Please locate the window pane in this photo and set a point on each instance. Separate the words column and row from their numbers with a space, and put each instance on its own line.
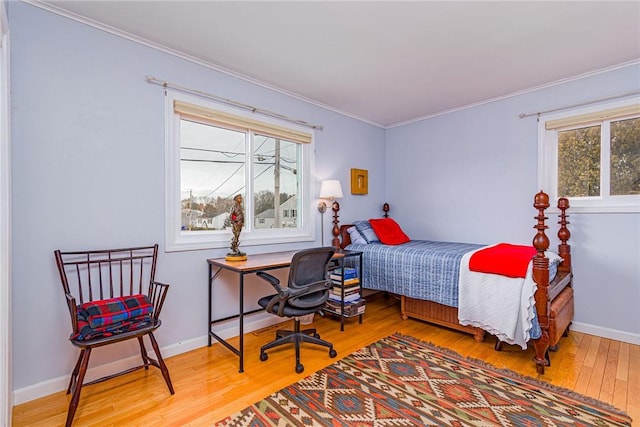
column 212, row 170
column 579, row 162
column 276, row 166
column 625, row 157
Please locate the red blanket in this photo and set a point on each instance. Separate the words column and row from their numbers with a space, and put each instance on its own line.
column 503, row 258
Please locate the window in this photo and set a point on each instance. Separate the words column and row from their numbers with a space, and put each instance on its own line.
column 592, row 157
column 215, row 152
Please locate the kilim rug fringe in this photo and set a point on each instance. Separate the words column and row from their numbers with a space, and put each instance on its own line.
column 402, row 381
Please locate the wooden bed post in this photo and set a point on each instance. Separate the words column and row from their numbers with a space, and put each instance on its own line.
column 385, row 209
column 564, row 250
column 336, row 230
column 541, row 277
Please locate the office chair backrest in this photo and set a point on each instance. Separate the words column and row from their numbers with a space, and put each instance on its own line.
column 309, row 266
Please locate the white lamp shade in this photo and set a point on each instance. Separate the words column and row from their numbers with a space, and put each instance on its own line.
column 330, row 189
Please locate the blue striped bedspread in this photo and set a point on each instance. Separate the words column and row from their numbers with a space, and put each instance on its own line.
column 419, row 269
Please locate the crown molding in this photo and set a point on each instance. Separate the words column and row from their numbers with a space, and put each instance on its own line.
column 174, row 52
column 521, row 92
column 101, row 26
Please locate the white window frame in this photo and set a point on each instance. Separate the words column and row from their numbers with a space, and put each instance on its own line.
column 179, row 240
column 548, row 162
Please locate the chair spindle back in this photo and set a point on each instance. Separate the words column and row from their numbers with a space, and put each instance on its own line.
column 108, row 273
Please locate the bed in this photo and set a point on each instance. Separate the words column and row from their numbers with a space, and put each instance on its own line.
column 425, row 276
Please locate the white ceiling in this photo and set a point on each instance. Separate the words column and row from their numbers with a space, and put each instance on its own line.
column 386, row 62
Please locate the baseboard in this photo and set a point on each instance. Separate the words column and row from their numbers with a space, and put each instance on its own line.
column 599, row 331
column 225, row 330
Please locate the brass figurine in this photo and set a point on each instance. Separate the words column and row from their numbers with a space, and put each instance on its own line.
column 236, row 217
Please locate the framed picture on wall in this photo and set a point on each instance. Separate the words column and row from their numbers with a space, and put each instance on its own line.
column 359, row 181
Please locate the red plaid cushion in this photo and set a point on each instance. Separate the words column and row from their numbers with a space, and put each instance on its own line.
column 114, row 310
column 86, row 332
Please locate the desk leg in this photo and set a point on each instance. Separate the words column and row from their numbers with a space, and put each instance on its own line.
column 361, row 273
column 241, row 337
column 343, row 265
column 210, row 306
column 342, row 315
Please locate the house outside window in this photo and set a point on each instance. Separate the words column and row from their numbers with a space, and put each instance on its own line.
column 592, row 156
column 215, row 152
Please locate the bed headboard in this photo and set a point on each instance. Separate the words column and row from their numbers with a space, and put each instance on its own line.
column 345, row 238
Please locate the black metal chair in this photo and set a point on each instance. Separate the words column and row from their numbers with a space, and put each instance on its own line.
column 112, row 296
column 306, row 293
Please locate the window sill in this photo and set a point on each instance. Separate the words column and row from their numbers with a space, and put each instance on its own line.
column 578, row 207
column 191, row 242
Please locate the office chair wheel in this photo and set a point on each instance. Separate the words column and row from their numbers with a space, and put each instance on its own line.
column 332, row 353
column 263, row 356
column 299, row 368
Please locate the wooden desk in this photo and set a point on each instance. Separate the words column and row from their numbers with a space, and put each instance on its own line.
column 253, row 264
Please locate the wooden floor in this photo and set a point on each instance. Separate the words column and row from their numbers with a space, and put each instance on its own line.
column 208, row 386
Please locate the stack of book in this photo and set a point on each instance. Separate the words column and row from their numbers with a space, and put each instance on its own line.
column 346, row 288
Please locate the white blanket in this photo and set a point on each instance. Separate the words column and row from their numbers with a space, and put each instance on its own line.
column 503, row 306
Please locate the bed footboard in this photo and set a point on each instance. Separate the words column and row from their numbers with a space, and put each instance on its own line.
column 554, row 300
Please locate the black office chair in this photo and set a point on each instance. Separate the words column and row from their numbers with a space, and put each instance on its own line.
column 306, row 293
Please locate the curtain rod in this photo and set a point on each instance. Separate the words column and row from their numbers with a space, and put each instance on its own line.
column 593, row 101
column 168, row 85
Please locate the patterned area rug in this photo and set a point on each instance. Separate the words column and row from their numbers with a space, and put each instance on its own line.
column 401, row 381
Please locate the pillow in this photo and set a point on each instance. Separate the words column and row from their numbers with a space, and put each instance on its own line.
column 388, row 231
column 114, row 310
column 356, row 237
column 553, row 257
column 364, row 228
column 554, row 261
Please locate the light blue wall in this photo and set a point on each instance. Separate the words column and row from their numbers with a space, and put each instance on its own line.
column 471, row 176
column 88, row 172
